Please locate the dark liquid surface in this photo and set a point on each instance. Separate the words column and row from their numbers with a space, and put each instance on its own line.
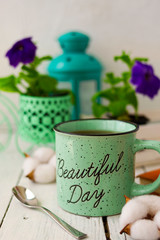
column 94, row 132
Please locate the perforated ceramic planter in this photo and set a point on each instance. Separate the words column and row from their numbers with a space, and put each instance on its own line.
column 38, row 116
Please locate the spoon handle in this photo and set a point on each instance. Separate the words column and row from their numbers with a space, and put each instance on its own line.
column 72, row 231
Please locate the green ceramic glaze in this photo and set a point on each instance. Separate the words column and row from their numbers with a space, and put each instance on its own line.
column 95, row 172
column 38, row 116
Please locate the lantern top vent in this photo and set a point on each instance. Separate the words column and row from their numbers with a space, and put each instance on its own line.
column 73, row 42
column 74, row 59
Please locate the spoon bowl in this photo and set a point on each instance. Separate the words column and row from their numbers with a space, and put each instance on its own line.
column 28, row 199
column 25, row 196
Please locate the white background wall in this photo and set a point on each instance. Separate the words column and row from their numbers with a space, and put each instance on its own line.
column 113, row 25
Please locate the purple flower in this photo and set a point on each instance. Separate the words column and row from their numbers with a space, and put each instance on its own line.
column 22, row 51
column 144, row 79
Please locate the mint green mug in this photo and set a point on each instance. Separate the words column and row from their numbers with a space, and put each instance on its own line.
column 95, row 165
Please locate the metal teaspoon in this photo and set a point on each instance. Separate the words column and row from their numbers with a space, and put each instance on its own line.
column 27, row 198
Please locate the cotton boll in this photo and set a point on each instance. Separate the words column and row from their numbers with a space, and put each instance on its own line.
column 132, row 211
column 43, row 154
column 52, row 161
column 156, row 219
column 44, row 173
column 29, row 165
column 144, row 229
column 152, row 201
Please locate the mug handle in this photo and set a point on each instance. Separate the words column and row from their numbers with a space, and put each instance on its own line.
column 138, row 189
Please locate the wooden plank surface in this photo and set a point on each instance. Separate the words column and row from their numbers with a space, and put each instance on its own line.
column 10, row 170
column 19, row 222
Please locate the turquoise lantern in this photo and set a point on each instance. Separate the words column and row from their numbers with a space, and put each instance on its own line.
column 75, row 66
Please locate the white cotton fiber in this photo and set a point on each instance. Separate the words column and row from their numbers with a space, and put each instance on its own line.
column 144, row 229
column 132, row 211
column 52, row 161
column 45, row 173
column 29, row 165
column 43, row 154
column 156, row 219
column 152, row 201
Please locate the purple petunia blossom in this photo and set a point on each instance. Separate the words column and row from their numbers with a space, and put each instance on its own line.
column 144, row 79
column 22, row 51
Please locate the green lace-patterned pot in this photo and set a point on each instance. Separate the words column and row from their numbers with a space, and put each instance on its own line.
column 38, row 115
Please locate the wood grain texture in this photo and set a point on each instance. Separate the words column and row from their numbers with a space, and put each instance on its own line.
column 10, row 170
column 19, row 222
column 23, row 223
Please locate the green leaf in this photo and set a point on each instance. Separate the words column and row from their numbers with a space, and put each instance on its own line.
column 116, row 93
column 47, row 83
column 118, row 108
column 8, row 84
column 111, row 79
column 31, row 72
column 129, row 96
column 126, row 77
column 17, row 80
column 95, row 96
column 139, row 59
column 124, row 57
column 132, row 99
column 118, row 100
column 29, row 79
column 120, row 94
column 109, row 94
column 98, row 109
column 38, row 60
column 45, row 58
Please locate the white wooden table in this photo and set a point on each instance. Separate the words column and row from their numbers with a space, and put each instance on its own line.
column 18, row 222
